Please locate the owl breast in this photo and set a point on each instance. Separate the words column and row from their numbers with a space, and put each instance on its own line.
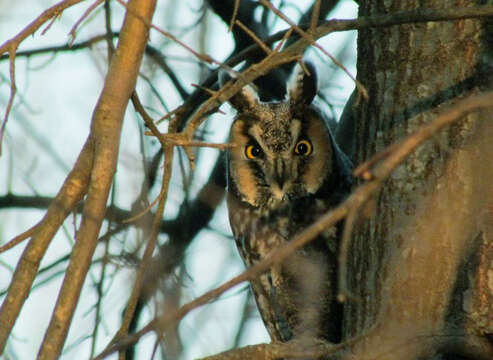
column 297, row 297
column 284, row 172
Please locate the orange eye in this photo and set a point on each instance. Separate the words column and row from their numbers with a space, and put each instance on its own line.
column 253, row 151
column 303, row 148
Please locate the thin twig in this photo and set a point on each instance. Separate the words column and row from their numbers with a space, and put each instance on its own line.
column 283, row 40
column 90, row 9
column 146, row 259
column 178, row 140
column 61, row 48
column 343, row 291
column 72, row 191
column 327, row 27
column 18, row 239
column 151, row 245
column 109, row 32
column 245, row 314
column 254, row 37
column 311, row 40
column 100, row 286
column 12, row 44
column 364, row 170
column 144, row 211
column 235, row 13
column 52, row 21
column 203, row 57
column 315, row 16
column 13, row 91
column 154, row 131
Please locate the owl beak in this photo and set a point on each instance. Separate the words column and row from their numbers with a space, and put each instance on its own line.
column 280, row 174
column 279, row 179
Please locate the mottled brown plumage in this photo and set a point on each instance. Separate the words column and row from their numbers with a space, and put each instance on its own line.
column 284, row 172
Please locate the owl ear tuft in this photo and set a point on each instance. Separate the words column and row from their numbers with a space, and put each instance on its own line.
column 303, row 86
column 246, row 98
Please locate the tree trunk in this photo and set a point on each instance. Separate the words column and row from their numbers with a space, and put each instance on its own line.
column 419, row 265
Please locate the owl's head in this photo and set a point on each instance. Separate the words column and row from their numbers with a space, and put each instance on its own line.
column 283, row 149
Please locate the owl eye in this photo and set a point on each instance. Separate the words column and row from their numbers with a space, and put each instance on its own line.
column 303, row 148
column 253, row 151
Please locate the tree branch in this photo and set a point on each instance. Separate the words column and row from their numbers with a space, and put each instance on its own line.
column 324, row 28
column 70, row 194
column 105, row 133
column 60, row 48
column 12, row 44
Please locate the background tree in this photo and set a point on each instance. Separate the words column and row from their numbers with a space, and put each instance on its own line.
column 414, row 276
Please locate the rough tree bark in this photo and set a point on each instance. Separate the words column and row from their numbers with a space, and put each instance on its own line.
column 419, row 265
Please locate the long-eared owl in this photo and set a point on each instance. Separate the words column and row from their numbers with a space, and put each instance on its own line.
column 284, row 171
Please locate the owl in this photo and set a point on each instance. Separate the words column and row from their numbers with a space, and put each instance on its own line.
column 285, row 171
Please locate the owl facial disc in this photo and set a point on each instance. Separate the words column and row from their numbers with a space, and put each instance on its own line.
column 283, row 150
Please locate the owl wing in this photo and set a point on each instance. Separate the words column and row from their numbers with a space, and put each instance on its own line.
column 292, row 297
column 255, row 238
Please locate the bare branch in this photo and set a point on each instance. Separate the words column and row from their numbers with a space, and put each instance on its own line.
column 475, row 347
column 72, row 191
column 326, row 27
column 235, row 12
column 13, row 90
column 18, row 239
column 86, row 13
column 254, row 37
column 12, row 45
column 301, row 349
column 61, row 48
column 178, row 140
column 203, row 57
column 315, row 15
column 312, row 41
column 30, row 29
column 119, row 85
column 146, row 259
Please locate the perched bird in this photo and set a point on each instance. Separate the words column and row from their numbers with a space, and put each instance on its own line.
column 284, row 172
